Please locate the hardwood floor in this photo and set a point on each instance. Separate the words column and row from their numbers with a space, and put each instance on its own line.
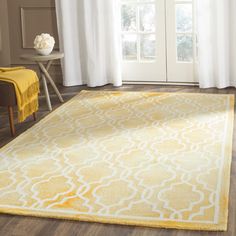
column 31, row 226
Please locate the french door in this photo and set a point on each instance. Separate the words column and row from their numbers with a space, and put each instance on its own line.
column 158, row 40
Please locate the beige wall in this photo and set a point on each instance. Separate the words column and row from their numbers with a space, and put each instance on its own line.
column 4, row 35
column 26, row 19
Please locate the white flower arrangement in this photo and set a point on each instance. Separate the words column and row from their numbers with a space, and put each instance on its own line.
column 44, row 44
column 44, row 41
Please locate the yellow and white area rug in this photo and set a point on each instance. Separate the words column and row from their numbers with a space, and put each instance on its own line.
column 137, row 158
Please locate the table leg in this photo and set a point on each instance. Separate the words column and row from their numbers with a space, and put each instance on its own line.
column 48, row 65
column 47, row 75
column 45, row 86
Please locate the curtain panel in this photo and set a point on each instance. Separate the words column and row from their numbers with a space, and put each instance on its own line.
column 216, row 29
column 89, row 35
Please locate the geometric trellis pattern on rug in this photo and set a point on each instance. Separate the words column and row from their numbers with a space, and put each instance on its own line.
column 138, row 158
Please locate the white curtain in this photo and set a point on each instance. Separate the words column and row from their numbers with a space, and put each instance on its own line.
column 89, row 34
column 216, row 25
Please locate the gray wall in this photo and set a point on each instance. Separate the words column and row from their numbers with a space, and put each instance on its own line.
column 22, row 20
column 4, row 35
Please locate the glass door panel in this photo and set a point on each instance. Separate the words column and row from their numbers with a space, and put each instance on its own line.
column 143, row 40
column 181, row 44
column 158, row 40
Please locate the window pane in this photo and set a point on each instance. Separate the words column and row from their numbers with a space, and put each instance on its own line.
column 130, row 47
column 147, row 17
column 128, row 17
column 184, row 18
column 148, row 47
column 185, row 48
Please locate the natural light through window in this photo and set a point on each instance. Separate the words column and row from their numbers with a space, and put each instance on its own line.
column 138, row 30
column 184, row 31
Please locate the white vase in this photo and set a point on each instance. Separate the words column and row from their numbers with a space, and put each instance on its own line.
column 44, row 52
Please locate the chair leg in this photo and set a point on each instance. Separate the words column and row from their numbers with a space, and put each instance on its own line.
column 34, row 116
column 11, row 120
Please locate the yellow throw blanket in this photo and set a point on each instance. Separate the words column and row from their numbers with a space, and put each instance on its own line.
column 26, row 85
column 6, row 69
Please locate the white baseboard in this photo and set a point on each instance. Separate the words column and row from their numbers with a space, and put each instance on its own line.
column 162, row 83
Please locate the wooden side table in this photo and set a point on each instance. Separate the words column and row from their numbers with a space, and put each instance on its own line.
column 40, row 60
